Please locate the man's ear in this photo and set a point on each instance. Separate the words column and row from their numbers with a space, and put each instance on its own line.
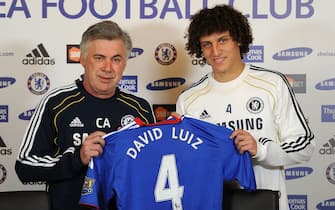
column 82, row 60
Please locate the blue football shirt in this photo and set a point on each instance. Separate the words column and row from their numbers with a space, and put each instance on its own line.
column 172, row 165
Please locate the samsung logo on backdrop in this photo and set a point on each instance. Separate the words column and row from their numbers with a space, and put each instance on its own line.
column 297, row 172
column 292, row 53
column 26, row 115
column 326, row 205
column 135, row 52
column 6, row 81
column 328, row 84
column 165, row 84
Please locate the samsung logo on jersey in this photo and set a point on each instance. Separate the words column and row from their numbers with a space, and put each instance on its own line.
column 128, row 83
column 135, row 52
column 328, row 113
column 6, row 81
column 297, row 202
column 326, row 205
column 292, row 53
column 26, row 115
column 298, row 172
column 328, row 84
column 165, row 84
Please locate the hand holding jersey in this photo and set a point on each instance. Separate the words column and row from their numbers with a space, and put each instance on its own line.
column 92, row 146
column 244, row 141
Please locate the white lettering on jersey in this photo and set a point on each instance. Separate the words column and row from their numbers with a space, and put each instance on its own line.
column 157, row 134
column 102, row 123
column 168, row 173
column 152, row 135
column 186, row 136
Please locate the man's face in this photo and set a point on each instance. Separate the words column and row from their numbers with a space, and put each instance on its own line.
column 221, row 52
column 104, row 64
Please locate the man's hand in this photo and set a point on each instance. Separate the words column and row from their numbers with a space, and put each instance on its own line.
column 92, row 146
column 244, row 141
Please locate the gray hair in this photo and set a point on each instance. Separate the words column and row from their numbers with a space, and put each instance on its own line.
column 107, row 30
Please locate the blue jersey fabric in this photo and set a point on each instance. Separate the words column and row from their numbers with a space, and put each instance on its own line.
column 171, row 165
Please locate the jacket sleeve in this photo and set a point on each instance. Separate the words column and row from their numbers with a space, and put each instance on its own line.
column 40, row 158
column 294, row 143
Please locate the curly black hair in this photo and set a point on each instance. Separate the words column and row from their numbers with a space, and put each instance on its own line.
column 221, row 18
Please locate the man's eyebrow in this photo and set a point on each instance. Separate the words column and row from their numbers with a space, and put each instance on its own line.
column 100, row 55
column 117, row 55
column 114, row 56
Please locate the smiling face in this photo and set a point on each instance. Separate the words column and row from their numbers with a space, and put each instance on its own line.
column 104, row 64
column 223, row 54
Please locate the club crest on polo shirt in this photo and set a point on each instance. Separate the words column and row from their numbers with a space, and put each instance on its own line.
column 125, row 120
column 255, row 105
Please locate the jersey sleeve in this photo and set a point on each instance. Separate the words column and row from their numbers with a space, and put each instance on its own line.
column 39, row 157
column 90, row 190
column 296, row 142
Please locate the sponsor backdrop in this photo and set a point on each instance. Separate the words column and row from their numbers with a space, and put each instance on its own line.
column 39, row 52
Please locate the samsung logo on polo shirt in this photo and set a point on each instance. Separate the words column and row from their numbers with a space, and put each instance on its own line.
column 292, row 53
column 297, row 172
column 165, row 84
column 6, row 81
column 326, row 205
column 328, row 113
column 26, row 115
column 328, row 84
column 135, row 52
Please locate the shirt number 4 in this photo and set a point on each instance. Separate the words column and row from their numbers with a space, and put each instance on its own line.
column 168, row 173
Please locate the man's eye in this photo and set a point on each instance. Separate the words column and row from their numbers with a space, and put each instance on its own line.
column 116, row 60
column 205, row 45
column 221, row 41
column 98, row 58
